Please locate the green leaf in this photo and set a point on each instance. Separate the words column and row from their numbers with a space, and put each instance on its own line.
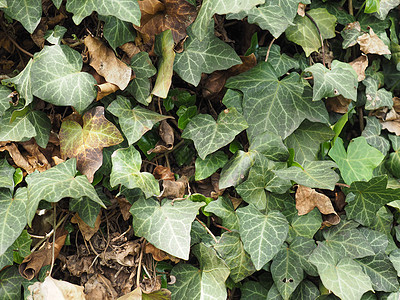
column 315, row 174
column 381, row 271
column 3, row 3
column 125, row 10
column 116, row 31
column 87, row 209
column 270, row 146
column 305, row 33
column 358, row 162
column 289, row 263
column 57, row 3
column 86, row 143
column 305, row 225
column 55, row 36
column 376, row 98
column 376, row 239
column 134, row 122
column 282, row 63
column 55, row 70
column 21, row 247
column 42, row 125
column 346, row 240
column 155, row 221
column 262, row 234
column 371, row 6
column 383, row 223
column 6, row 175
column 12, row 216
column 4, row 100
column 209, row 136
column 223, row 208
column 204, row 56
column 274, row 105
column 372, row 133
column 56, row 183
column 126, row 171
column 253, row 290
column 234, row 99
column 395, row 259
column 306, row 290
column 18, row 130
column 366, row 198
column 341, row 79
column 393, row 162
column 208, row 166
column 231, row 250
column 139, row 87
column 222, row 7
column 10, row 283
column 306, row 140
column 384, row 7
column 237, row 169
column 27, row 12
column 206, row 283
column 185, row 114
column 164, row 48
column 342, row 275
column 23, row 83
column 350, row 35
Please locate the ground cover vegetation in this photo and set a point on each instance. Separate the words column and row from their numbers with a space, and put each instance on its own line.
column 215, row 149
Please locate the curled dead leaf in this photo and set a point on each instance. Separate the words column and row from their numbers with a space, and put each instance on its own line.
column 85, row 229
column 106, row 89
column 167, row 139
column 163, row 173
column 370, row 43
column 392, row 126
column 100, row 287
column 338, row 104
column 56, row 289
column 307, row 199
column 124, row 207
column 17, row 157
column 359, row 65
column 160, row 255
column 174, row 189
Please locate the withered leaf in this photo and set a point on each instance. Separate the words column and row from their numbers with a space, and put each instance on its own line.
column 163, row 173
column 174, row 189
column 359, row 65
column 87, row 143
column 338, row 104
column 158, row 254
column 104, row 61
column 56, row 289
column 85, row 229
column 307, row 199
column 371, row 43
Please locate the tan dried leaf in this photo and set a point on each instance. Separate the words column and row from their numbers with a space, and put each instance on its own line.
column 106, row 89
column 124, row 207
column 56, row 289
column 307, row 199
column 166, row 134
column 160, row 255
column 85, row 229
column 301, row 9
column 163, row 173
column 174, row 189
column 392, row 126
column 370, row 43
column 104, row 61
column 17, row 157
column 338, row 104
column 359, row 65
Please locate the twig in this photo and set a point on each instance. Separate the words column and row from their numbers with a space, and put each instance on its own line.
column 140, row 263
column 208, row 230
column 320, row 36
column 350, row 3
column 169, row 151
column 54, row 238
column 48, row 235
column 222, row 227
column 269, row 49
column 342, row 184
column 19, row 47
column 361, row 118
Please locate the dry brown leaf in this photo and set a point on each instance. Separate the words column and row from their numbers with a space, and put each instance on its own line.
column 5, row 43
column 104, row 61
column 339, row 200
column 78, row 265
column 359, row 65
column 392, row 126
column 163, row 173
column 160, row 255
column 17, row 157
column 329, row 220
column 307, row 199
column 85, row 229
column 301, row 9
column 338, row 104
column 159, row 16
column 134, row 295
column 124, row 207
column 130, row 50
column 174, row 189
column 38, row 35
column 99, row 287
column 36, row 158
column 167, row 139
column 31, row 265
column 370, row 43
column 106, row 89
column 125, row 254
column 53, row 289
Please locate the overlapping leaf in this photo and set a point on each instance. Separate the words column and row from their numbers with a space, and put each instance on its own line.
column 57, row 78
column 126, row 165
column 281, row 62
column 223, row 208
column 204, row 56
column 209, row 136
column 262, row 235
column 28, row 13
column 87, row 209
column 393, row 162
column 134, row 122
column 237, row 169
column 116, row 31
column 4, row 100
column 10, row 283
column 358, row 162
column 206, row 167
column 6, row 175
column 86, row 143
column 376, row 98
column 56, row 183
column 372, row 133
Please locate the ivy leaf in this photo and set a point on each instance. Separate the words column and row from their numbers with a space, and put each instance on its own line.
column 281, row 62
column 306, row 140
column 139, row 87
column 223, row 208
column 125, row 10
column 204, row 56
column 86, row 143
column 10, row 283
column 358, row 162
column 134, row 122
column 315, row 174
column 222, row 7
column 305, row 33
column 376, row 98
column 342, row 275
column 231, row 250
column 393, row 162
column 56, row 183
column 341, row 79
column 23, row 83
column 126, row 164
column 208, row 135
column 208, row 166
column 384, row 7
column 306, row 225
column 206, row 283
column 57, row 78
column 6, row 175
column 262, row 234
column 12, row 216
column 367, row 198
column 237, row 169
column 372, row 133
column 270, row 146
column 381, row 271
column 306, row 290
column 4, row 100
column 269, row 101
column 253, row 290
column 28, row 13
column 116, row 31
column 42, row 125
column 87, row 209
column 289, row 263
column 383, row 223
column 20, row 129
column 376, row 239
column 155, row 221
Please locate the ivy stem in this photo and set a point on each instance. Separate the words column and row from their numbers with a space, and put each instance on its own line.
column 140, row 264
column 350, row 3
column 342, row 184
column 320, row 36
column 54, row 237
column 208, row 230
column 269, row 49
